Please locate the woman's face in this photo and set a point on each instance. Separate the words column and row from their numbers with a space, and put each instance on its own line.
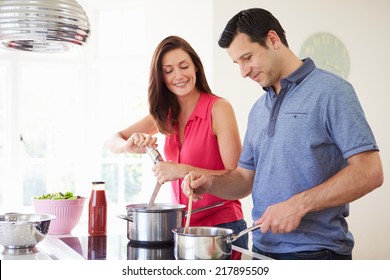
column 179, row 72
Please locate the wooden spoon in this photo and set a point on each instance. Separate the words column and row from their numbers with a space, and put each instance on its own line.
column 189, row 209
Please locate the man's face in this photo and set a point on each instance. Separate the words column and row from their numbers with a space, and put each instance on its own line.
column 255, row 61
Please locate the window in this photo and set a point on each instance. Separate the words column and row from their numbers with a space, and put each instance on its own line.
column 57, row 110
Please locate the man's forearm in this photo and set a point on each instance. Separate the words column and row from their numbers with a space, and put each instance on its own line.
column 235, row 184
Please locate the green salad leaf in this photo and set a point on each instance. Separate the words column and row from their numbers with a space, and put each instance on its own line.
column 57, row 196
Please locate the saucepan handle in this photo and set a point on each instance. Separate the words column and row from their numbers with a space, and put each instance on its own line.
column 234, row 237
column 125, row 217
column 204, row 208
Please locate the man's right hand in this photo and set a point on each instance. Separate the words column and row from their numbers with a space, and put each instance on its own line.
column 198, row 182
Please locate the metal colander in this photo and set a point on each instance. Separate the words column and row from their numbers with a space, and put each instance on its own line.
column 23, row 231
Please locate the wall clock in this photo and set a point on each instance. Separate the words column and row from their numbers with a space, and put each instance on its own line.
column 328, row 52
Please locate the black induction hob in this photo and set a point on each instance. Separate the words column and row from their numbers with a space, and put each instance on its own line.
column 118, row 247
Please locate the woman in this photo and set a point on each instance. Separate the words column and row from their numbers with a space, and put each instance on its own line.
column 200, row 129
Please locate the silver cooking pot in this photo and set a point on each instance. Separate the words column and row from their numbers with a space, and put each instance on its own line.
column 205, row 243
column 155, row 224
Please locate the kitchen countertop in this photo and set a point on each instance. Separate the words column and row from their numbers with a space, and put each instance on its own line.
column 50, row 248
column 116, row 246
column 53, row 248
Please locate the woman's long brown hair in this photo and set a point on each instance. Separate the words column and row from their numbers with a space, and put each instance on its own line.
column 163, row 104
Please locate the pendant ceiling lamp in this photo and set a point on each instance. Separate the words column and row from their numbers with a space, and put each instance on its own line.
column 49, row 26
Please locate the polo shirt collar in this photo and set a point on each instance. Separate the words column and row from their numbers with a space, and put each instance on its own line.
column 298, row 75
column 302, row 72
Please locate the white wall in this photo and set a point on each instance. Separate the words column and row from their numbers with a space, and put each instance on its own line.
column 193, row 21
column 364, row 27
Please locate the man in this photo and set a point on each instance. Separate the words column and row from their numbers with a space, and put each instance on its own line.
column 308, row 149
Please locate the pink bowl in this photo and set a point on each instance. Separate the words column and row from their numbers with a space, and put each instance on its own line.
column 67, row 211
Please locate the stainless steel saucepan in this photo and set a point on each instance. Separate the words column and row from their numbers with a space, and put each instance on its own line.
column 206, row 243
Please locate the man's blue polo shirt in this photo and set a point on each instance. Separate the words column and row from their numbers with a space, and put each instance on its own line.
column 296, row 140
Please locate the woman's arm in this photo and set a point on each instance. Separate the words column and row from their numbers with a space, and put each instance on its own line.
column 226, row 130
column 133, row 138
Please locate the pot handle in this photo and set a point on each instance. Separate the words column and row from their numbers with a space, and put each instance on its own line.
column 125, row 217
column 204, row 208
column 234, row 237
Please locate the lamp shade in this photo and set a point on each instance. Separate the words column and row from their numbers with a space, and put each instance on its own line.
column 42, row 25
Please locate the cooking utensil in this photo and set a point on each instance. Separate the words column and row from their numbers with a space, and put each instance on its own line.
column 205, row 243
column 156, row 157
column 155, row 225
column 189, row 212
column 189, row 208
column 154, row 195
column 19, row 233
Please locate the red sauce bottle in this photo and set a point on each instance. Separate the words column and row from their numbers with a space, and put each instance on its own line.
column 97, row 210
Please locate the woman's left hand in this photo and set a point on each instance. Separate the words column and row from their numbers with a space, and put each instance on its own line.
column 166, row 171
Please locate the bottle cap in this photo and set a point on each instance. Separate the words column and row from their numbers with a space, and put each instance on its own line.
column 98, row 182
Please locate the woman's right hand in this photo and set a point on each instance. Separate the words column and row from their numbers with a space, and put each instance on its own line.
column 138, row 141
